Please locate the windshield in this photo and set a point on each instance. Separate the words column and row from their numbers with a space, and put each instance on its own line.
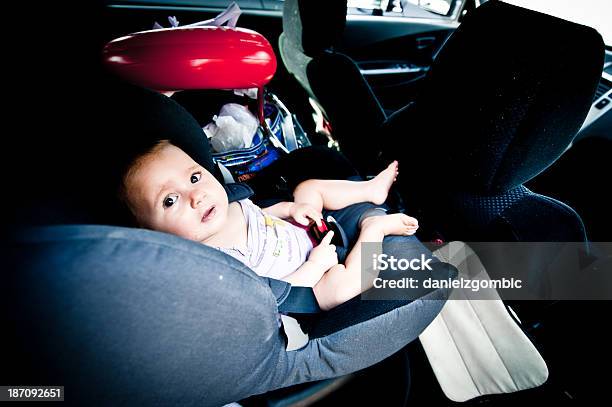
column 594, row 13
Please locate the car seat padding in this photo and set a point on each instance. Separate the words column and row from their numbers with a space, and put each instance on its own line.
column 155, row 308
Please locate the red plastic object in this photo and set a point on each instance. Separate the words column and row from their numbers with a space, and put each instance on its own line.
column 193, row 58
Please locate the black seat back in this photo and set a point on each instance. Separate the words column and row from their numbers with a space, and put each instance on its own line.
column 503, row 100
column 333, row 80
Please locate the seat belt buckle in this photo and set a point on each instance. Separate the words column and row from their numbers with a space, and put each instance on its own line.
column 317, row 233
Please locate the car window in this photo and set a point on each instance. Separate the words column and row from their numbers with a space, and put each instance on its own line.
column 405, row 8
column 437, row 9
column 441, row 7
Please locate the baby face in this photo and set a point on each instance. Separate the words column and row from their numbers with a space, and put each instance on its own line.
column 170, row 192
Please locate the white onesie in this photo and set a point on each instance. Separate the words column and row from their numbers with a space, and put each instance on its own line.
column 275, row 248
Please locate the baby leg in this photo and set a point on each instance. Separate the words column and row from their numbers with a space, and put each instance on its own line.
column 338, row 194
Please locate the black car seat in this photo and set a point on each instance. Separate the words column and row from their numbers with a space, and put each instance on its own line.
column 503, row 100
column 333, row 80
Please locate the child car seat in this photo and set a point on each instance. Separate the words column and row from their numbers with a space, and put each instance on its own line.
column 121, row 315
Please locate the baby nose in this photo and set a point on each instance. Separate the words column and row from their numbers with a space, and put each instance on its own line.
column 197, row 197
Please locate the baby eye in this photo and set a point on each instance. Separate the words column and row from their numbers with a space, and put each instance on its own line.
column 195, row 177
column 170, row 200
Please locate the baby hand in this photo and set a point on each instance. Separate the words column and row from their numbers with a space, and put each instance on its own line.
column 304, row 213
column 324, row 255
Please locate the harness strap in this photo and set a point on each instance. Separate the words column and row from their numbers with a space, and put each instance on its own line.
column 290, row 299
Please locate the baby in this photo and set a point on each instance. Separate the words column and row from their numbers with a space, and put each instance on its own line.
column 166, row 190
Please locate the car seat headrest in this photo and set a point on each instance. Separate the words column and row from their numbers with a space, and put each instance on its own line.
column 314, row 25
column 507, row 94
column 135, row 119
column 192, row 58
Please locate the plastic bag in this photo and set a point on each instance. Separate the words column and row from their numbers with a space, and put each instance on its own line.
column 232, row 129
column 251, row 92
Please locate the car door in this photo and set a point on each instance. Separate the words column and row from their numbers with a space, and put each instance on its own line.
column 394, row 42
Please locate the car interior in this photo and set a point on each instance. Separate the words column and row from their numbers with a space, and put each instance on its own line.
column 500, row 116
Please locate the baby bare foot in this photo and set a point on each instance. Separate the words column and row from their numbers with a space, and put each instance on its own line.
column 395, row 224
column 379, row 186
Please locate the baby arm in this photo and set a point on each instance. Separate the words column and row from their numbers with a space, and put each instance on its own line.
column 337, row 194
column 341, row 283
column 321, row 258
column 280, row 210
column 300, row 212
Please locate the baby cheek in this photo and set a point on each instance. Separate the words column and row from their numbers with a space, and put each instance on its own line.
column 197, row 230
column 180, row 231
column 188, row 230
column 170, row 223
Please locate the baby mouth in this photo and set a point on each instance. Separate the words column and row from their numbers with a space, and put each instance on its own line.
column 209, row 214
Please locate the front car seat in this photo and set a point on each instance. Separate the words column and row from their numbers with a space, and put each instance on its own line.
column 333, row 80
column 503, row 100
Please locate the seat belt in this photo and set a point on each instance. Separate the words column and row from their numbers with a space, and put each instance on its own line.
column 296, row 300
column 300, row 300
column 293, row 299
